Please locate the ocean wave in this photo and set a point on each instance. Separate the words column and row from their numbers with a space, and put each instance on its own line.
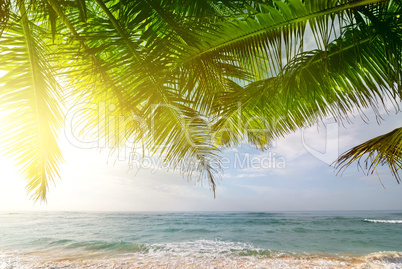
column 388, row 256
column 384, row 221
column 375, row 260
column 207, row 249
column 197, row 248
column 116, row 246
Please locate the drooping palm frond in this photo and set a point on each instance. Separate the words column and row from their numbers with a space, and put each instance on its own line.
column 122, row 67
column 268, row 41
column 4, row 14
column 31, row 97
column 184, row 143
column 165, row 71
column 382, row 150
column 276, row 33
column 358, row 70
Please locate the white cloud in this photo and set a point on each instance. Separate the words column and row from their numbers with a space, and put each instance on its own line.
column 89, row 183
column 251, row 175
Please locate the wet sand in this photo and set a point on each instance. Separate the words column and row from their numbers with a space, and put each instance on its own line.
column 375, row 260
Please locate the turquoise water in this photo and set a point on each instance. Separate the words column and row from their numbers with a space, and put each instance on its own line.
column 200, row 234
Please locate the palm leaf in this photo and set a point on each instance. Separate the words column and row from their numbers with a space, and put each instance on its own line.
column 382, row 150
column 4, row 14
column 165, row 71
column 143, row 86
column 275, row 33
column 357, row 71
column 30, row 96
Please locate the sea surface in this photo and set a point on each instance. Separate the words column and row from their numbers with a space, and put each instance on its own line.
column 347, row 239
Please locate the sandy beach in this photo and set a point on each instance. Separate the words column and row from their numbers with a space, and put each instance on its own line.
column 375, row 260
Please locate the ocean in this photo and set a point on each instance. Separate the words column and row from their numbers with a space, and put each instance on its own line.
column 359, row 239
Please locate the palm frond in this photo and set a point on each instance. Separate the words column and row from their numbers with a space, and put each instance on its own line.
column 171, row 74
column 4, row 14
column 382, row 150
column 31, row 97
column 357, row 71
column 276, row 33
column 143, row 86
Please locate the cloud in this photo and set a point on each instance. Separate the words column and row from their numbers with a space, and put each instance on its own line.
column 251, row 175
column 90, row 182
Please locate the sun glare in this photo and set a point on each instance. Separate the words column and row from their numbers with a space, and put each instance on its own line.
column 12, row 187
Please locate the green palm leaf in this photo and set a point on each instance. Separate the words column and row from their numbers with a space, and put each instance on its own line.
column 382, row 150
column 274, row 33
column 357, row 71
column 30, row 95
column 143, row 86
column 166, row 71
column 4, row 14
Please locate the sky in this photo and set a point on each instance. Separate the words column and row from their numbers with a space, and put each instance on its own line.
column 294, row 174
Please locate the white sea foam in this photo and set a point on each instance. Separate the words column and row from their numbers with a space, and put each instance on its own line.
column 387, row 260
column 384, row 221
column 202, row 248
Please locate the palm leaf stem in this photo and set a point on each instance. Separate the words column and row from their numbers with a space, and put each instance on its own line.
column 34, row 71
column 119, row 29
column 57, row 8
column 311, row 16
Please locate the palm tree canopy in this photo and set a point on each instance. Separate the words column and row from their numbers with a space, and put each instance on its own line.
column 172, row 73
